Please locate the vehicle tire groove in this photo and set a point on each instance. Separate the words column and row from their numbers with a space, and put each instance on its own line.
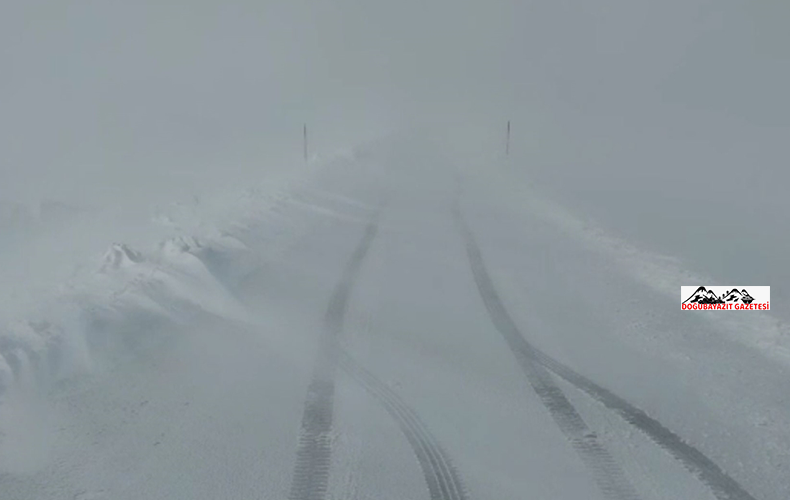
column 606, row 472
column 442, row 478
column 697, row 463
column 314, row 452
column 706, row 470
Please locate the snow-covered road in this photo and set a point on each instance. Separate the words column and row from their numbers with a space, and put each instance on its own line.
column 421, row 331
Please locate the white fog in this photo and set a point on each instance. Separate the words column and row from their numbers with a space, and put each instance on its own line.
column 190, row 308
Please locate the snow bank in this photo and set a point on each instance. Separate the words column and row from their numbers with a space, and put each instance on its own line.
column 106, row 306
column 665, row 274
column 129, row 288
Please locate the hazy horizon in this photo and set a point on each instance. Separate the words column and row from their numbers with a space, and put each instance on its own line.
column 642, row 114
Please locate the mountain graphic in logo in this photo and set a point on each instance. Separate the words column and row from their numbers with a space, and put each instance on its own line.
column 737, row 297
column 705, row 296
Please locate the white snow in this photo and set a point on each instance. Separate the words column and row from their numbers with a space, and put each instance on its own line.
column 176, row 271
column 125, row 284
column 662, row 273
column 179, row 369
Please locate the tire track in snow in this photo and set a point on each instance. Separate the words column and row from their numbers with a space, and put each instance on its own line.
column 314, row 452
column 442, row 479
column 536, row 364
column 706, row 470
column 606, row 472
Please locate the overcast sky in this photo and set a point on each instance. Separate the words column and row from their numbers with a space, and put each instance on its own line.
column 115, row 96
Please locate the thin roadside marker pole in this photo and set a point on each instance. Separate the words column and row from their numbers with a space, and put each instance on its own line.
column 305, row 142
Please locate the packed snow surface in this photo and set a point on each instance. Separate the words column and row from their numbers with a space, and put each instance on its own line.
column 393, row 322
